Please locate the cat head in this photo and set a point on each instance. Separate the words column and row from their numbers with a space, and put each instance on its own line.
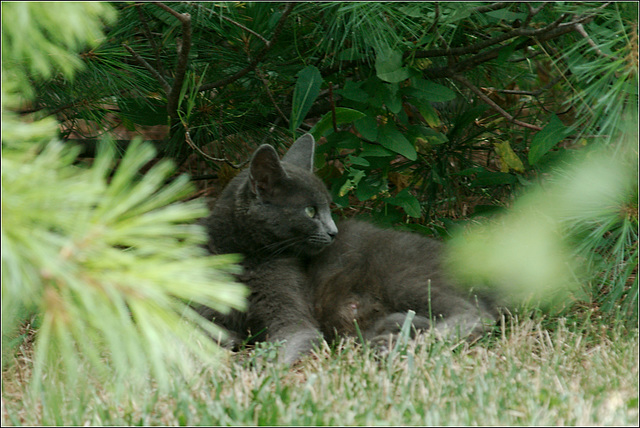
column 290, row 204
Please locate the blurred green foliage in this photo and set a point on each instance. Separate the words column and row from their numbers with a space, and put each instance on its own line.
column 106, row 260
column 430, row 115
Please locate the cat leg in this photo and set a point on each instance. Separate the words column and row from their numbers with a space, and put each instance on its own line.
column 280, row 306
column 387, row 331
column 392, row 323
column 298, row 343
column 231, row 338
column 469, row 325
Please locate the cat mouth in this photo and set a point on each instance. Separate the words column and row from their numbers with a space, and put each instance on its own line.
column 316, row 244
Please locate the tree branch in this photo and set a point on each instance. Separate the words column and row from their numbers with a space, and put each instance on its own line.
column 533, row 12
column 183, row 17
column 183, row 58
column 152, row 41
column 265, row 82
column 433, row 26
column 516, row 32
column 148, row 66
column 257, row 59
column 580, row 29
column 187, row 138
column 492, row 104
column 237, row 24
column 541, row 36
column 493, row 6
column 535, row 36
column 535, row 93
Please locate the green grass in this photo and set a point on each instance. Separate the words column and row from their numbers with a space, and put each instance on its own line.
column 563, row 372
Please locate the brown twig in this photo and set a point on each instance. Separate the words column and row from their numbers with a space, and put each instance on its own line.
column 145, row 64
column 333, row 108
column 535, row 36
column 490, row 7
column 516, row 32
column 252, row 65
column 541, row 36
column 183, row 58
column 265, row 82
column 580, row 29
column 535, row 93
column 187, row 138
column 183, row 17
column 433, row 26
column 492, row 104
column 533, row 12
column 152, row 41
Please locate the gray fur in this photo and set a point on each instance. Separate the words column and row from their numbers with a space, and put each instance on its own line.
column 381, row 274
column 261, row 215
column 308, row 281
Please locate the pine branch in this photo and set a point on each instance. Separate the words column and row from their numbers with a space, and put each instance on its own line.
column 187, row 138
column 265, row 82
column 252, row 65
column 237, row 24
column 149, row 67
column 152, row 41
column 183, row 58
column 492, row 104
column 535, row 36
column 535, row 93
column 552, row 31
column 580, row 29
column 491, row 7
column 516, row 32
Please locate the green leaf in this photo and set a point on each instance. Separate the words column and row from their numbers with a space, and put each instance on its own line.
column 392, row 139
column 356, row 160
column 366, row 191
column 355, row 175
column 392, row 99
column 343, row 115
column 407, row 202
column 508, row 158
column 429, row 114
column 421, row 136
column 305, row 93
column 432, row 91
column 488, row 178
column 507, row 51
column 547, row 138
column 389, row 66
column 352, row 91
column 371, row 150
column 340, row 140
column 368, row 127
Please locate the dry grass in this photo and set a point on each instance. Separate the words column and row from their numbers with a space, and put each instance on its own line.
column 575, row 372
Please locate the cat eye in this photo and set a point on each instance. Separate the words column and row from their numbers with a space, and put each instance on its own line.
column 310, row 211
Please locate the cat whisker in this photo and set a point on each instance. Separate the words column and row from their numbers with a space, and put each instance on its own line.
column 278, row 248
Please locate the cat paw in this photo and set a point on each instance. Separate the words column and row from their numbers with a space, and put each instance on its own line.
column 299, row 344
column 382, row 345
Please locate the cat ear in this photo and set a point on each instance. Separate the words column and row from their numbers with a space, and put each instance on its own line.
column 301, row 152
column 265, row 170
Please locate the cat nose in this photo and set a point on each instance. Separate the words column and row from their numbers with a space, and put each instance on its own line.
column 332, row 230
column 329, row 225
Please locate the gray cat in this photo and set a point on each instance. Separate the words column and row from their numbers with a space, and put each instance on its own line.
column 309, row 281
